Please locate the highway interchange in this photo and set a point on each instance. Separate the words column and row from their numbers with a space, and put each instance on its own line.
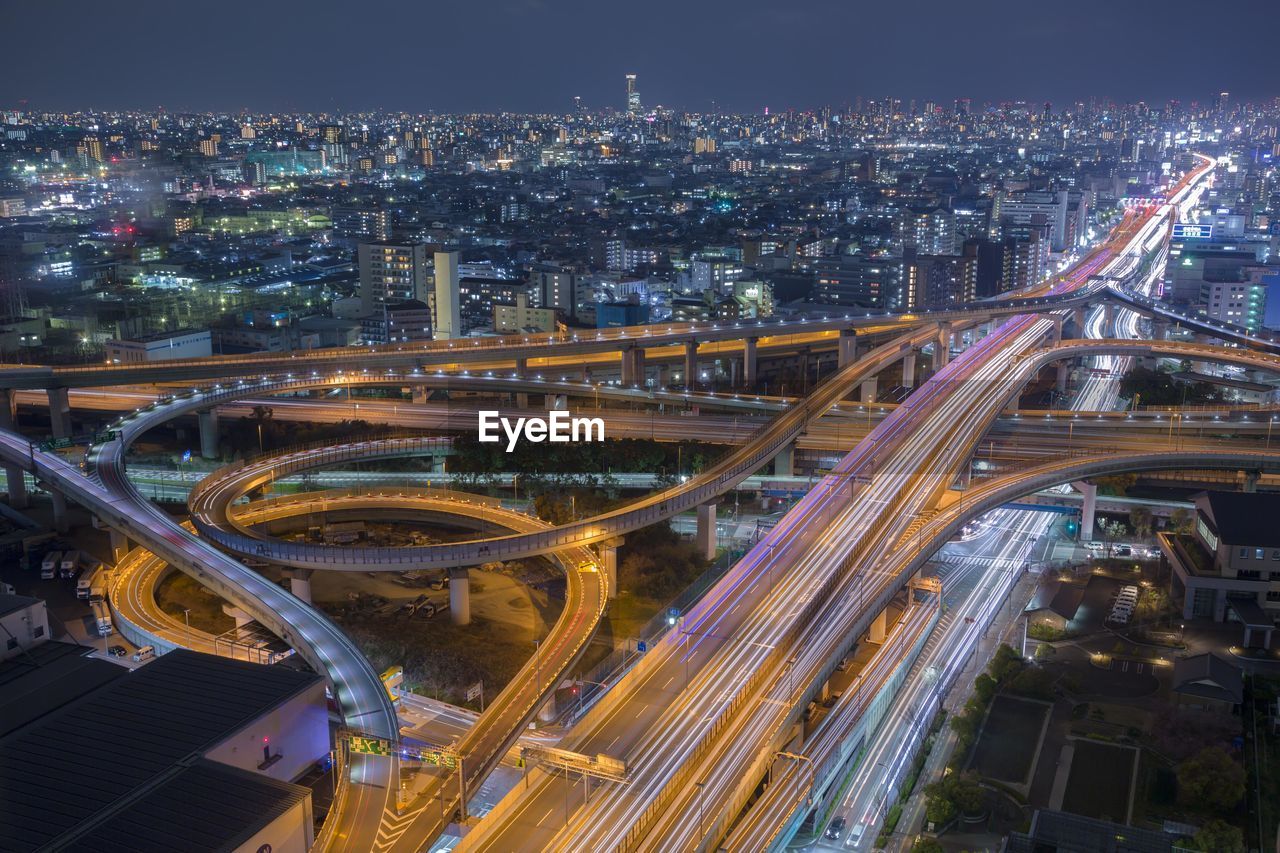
column 700, row 716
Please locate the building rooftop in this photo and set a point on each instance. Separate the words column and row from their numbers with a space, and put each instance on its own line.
column 101, row 754
column 11, row 603
column 1209, row 676
column 233, row 805
column 1246, row 518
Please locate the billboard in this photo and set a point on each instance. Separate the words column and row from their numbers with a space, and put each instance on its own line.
column 1191, row 231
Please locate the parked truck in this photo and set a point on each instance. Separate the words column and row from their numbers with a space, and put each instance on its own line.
column 102, row 617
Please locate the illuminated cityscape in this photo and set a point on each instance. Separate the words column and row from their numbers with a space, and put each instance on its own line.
column 539, row 428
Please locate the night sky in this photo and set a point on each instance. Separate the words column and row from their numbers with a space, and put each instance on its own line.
column 534, row 55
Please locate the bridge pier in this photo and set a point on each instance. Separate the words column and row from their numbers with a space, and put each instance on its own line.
column 878, row 628
column 60, row 522
column 15, row 477
column 784, row 464
column 242, row 618
column 1055, row 334
column 909, row 369
column 418, row 394
column 558, row 402
column 300, row 582
column 609, row 563
column 750, row 362
column 633, row 366
column 1159, row 329
column 522, row 372
column 460, row 595
column 59, row 412
column 119, row 546
column 1250, row 484
column 706, row 536
column 1078, row 317
column 208, row 420
column 690, row 365
column 1064, row 373
column 848, row 352
column 438, row 463
column 869, row 390
column 1108, row 319
column 942, row 347
column 1089, row 509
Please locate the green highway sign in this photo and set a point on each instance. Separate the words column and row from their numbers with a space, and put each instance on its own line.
column 370, row 745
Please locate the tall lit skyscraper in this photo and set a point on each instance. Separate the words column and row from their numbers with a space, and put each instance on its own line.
column 633, row 97
column 447, row 297
column 391, row 272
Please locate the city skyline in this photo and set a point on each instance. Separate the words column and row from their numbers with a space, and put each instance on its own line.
column 714, row 58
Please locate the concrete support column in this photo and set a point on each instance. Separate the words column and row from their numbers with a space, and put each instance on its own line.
column 879, row 627
column 1064, row 373
column 1250, row 481
column 869, row 390
column 750, row 362
column 633, row 366
column 1159, row 329
column 208, row 420
column 438, row 463
column 609, row 564
column 460, row 595
column 942, row 347
column 964, row 477
column 706, row 537
column 1078, row 316
column 300, row 583
column 1089, row 510
column 803, row 359
column 848, row 352
column 60, row 522
column 784, row 464
column 59, row 412
column 119, row 545
column 1055, row 335
column 690, row 365
column 733, row 373
column 237, row 614
column 419, row 394
column 909, row 369
column 558, row 402
column 1108, row 319
column 522, row 368
column 15, row 478
column 547, row 713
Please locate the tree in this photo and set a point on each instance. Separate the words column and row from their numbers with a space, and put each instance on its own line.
column 1140, row 519
column 1181, row 520
column 985, row 687
column 1218, row 836
column 1211, row 779
column 927, row 845
column 1111, row 530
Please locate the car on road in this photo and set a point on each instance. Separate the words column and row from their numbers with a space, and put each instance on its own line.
column 835, row 828
column 117, row 651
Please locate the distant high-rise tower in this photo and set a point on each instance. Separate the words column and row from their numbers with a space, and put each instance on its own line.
column 633, row 97
column 448, row 298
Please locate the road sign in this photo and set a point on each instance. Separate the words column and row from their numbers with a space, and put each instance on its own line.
column 186, row 456
column 475, row 691
column 642, row 646
column 370, row 745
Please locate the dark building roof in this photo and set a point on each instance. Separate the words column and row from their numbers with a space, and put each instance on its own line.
column 1209, row 676
column 10, row 603
column 1061, row 598
column 106, row 751
column 1246, row 518
column 233, row 805
column 1060, row 832
column 46, row 677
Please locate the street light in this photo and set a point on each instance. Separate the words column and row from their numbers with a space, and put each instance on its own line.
column 186, row 615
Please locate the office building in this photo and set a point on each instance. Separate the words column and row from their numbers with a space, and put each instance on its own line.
column 446, row 296
column 1230, row 562
column 522, row 317
column 1017, row 209
column 858, row 281
column 390, row 272
column 931, row 230
column 633, row 96
column 164, row 346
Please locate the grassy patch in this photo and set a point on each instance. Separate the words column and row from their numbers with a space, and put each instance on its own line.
column 178, row 592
